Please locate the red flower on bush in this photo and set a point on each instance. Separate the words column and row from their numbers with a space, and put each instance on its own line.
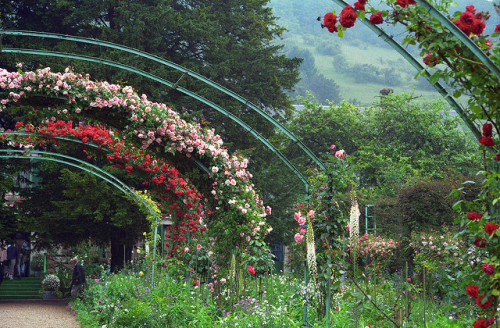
column 251, row 270
column 347, row 17
column 329, row 19
column 483, row 323
column 431, row 59
column 478, row 27
column 472, row 291
column 405, row 3
column 487, row 129
column 359, row 6
column 467, row 18
column 480, row 242
column 376, row 18
column 470, row 9
column 487, row 141
column 497, row 29
column 474, row 216
column 490, row 228
column 484, row 305
column 488, row 269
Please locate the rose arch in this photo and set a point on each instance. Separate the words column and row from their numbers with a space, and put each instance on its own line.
column 234, row 211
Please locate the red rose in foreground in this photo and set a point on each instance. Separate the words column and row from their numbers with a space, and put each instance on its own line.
column 474, row 216
column 497, row 28
column 329, row 20
column 484, row 305
column 405, row 3
column 347, row 17
column 377, row 18
column 332, row 29
column 483, row 323
column 470, row 9
column 359, row 6
column 467, row 18
column 251, row 270
column 472, row 291
column 487, row 129
column 490, row 228
column 478, row 27
column 487, row 141
column 488, row 269
column 480, row 242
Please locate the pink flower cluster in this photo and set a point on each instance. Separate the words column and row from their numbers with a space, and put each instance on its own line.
column 379, row 250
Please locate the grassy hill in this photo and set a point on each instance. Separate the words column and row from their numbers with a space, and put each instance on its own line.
column 354, row 68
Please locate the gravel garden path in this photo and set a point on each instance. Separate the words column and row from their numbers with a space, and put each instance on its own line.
column 39, row 314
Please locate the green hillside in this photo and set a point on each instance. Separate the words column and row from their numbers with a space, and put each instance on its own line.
column 354, row 68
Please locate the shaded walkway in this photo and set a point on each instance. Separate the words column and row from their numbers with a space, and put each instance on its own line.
column 40, row 314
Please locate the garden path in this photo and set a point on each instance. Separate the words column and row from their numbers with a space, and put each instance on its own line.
column 40, row 314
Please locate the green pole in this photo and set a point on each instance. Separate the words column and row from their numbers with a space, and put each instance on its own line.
column 306, row 280
column 328, row 290
column 44, row 263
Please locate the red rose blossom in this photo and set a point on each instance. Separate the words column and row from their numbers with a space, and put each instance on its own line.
column 483, row 323
column 497, row 29
column 487, row 141
column 472, row 291
column 490, row 228
column 359, row 6
column 347, row 17
column 488, row 269
column 431, row 59
column 480, row 242
column 484, row 305
column 474, row 216
column 251, row 270
column 376, row 18
column 487, row 129
column 329, row 19
column 467, row 18
column 470, row 9
column 478, row 27
column 405, row 3
column 332, row 29
column 363, row 2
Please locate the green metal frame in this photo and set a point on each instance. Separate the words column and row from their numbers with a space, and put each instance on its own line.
column 100, row 173
column 185, row 72
column 419, row 67
column 171, row 85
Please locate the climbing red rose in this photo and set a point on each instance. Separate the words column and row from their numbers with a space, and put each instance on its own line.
column 487, row 129
column 490, row 228
column 478, row 27
column 359, row 6
column 431, row 59
column 376, row 18
column 329, row 20
column 483, row 323
column 251, row 270
column 470, row 9
column 497, row 28
column 347, row 17
column 474, row 216
column 488, row 269
column 467, row 18
column 484, row 305
column 480, row 242
column 405, row 3
column 487, row 141
column 472, row 291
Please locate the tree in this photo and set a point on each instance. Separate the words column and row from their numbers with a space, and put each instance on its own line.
column 69, row 207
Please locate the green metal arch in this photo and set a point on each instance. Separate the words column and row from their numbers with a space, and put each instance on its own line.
column 184, row 70
column 171, row 85
column 102, row 174
column 417, row 65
